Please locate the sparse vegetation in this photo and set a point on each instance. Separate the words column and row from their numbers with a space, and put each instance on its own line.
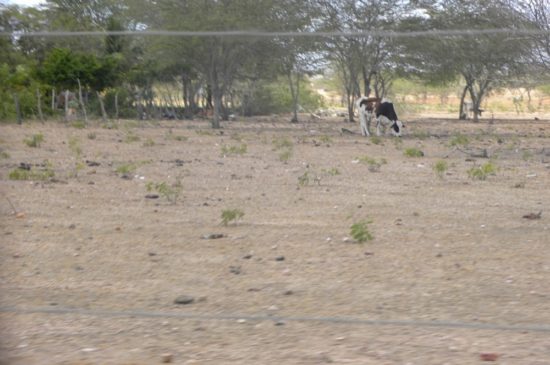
column 149, row 142
column 234, row 150
column 35, row 140
column 325, row 139
column 482, row 172
column 285, row 155
column 440, row 168
column 131, row 137
column 169, row 192
column 92, row 135
column 360, row 231
column 282, row 142
column 332, row 171
column 413, row 152
column 459, row 140
column 375, row 140
column 231, row 215
column 373, row 164
column 78, row 124
column 32, row 174
column 127, row 168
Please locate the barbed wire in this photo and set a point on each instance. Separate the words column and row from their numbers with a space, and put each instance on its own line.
column 267, row 34
column 262, row 318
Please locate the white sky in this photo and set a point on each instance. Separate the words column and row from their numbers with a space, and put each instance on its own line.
column 23, row 2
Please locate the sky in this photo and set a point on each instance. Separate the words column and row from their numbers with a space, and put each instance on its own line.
column 23, row 2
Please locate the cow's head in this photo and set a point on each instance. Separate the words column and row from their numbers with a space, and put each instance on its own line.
column 397, row 128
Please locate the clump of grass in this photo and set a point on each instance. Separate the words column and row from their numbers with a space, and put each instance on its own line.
column 234, row 150
column 332, row 171
column 4, row 155
column 459, row 140
column 421, row 134
column 360, row 231
column 482, row 172
column 35, row 140
column 376, row 140
column 201, row 132
column 31, row 174
column 303, row 180
column 373, row 164
column 440, row 168
column 230, row 215
column 91, row 135
column 78, row 124
column 149, row 142
column 127, row 168
column 169, row 192
column 131, row 137
column 325, row 139
column 74, row 146
column 282, row 142
column 413, row 152
column 285, row 155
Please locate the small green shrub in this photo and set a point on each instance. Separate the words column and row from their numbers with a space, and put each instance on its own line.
column 413, row 152
column 482, row 172
column 325, row 139
column 78, row 124
column 230, row 215
column 92, row 135
column 34, row 175
column 126, row 169
column 282, row 142
column 303, row 180
column 74, row 146
column 234, row 150
column 169, row 192
column 360, row 231
column 131, row 137
column 459, row 140
column 285, row 155
column 4, row 155
column 373, row 164
column 376, row 140
column 35, row 140
column 440, row 168
column 149, row 142
column 333, row 171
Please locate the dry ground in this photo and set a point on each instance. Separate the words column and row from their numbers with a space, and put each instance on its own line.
column 90, row 268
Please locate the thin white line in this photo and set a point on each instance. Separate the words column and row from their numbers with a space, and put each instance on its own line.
column 260, row 318
column 266, row 34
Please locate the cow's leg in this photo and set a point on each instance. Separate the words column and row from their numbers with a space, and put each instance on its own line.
column 369, row 120
column 363, row 118
column 379, row 126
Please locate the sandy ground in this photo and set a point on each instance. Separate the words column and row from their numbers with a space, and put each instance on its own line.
column 90, row 267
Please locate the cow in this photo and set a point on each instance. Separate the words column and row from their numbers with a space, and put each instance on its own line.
column 383, row 111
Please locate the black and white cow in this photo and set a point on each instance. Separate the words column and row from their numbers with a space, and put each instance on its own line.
column 384, row 113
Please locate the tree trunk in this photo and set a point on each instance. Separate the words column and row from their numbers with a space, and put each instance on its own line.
column 39, row 106
column 17, row 108
column 66, row 106
column 81, row 102
column 461, row 113
column 102, row 107
column 295, row 93
column 53, row 99
column 116, row 105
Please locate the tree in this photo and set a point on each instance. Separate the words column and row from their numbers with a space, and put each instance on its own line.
column 483, row 61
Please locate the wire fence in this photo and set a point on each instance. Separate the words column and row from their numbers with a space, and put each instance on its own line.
column 105, row 313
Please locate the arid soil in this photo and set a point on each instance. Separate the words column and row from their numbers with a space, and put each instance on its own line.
column 91, row 264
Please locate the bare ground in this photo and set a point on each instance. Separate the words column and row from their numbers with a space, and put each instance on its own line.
column 90, row 268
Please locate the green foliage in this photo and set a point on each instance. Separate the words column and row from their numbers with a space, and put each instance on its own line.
column 374, row 165
column 32, row 174
column 285, row 155
column 413, row 152
column 459, row 140
column 230, row 215
column 35, row 140
column 4, row 155
column 91, row 135
column 78, row 124
column 375, row 140
column 440, row 168
column 149, row 142
column 169, row 192
column 325, row 139
column 282, row 142
column 360, row 231
column 127, row 168
column 131, row 137
column 482, row 172
column 303, row 180
column 332, row 171
column 74, row 146
column 234, row 150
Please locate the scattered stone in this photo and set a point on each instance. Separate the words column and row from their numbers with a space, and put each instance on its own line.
column 79, row 268
column 489, row 356
column 254, row 289
column 72, row 226
column 20, row 215
column 151, row 196
column 369, row 253
column 213, row 236
column 152, row 253
column 279, row 323
column 288, row 292
column 184, row 299
column 247, row 257
column 533, row 215
column 126, row 177
column 92, row 163
column 166, row 358
column 235, row 270
column 242, row 320
column 439, row 255
column 280, row 258
column 89, row 349
column 273, row 308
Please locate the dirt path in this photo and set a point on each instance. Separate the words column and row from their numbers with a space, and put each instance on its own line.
column 454, row 270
